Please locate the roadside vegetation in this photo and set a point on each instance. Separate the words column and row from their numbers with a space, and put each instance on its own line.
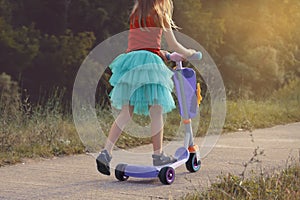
column 31, row 131
column 45, row 129
column 282, row 107
column 276, row 183
column 279, row 184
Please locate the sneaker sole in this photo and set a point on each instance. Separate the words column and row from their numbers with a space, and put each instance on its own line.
column 162, row 164
column 102, row 168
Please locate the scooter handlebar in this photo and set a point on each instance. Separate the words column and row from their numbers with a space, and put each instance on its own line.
column 176, row 57
column 195, row 56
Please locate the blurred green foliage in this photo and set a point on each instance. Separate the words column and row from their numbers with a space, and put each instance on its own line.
column 255, row 44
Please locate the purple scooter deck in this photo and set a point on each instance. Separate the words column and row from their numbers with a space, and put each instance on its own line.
column 140, row 171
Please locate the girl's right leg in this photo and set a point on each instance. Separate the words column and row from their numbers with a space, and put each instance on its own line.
column 105, row 157
column 157, row 126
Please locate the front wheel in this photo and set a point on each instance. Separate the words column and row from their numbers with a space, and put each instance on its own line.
column 193, row 164
column 167, row 175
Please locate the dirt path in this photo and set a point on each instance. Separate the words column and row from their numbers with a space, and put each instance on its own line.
column 75, row 177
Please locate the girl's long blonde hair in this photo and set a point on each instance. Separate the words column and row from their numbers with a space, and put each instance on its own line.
column 161, row 9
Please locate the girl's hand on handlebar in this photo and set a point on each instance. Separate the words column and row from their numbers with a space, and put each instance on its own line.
column 176, row 57
column 164, row 55
column 191, row 52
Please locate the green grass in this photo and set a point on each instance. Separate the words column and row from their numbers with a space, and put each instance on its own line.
column 40, row 136
column 281, row 108
column 249, row 114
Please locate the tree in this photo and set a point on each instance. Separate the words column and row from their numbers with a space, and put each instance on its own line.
column 200, row 24
column 58, row 61
column 259, row 43
column 18, row 47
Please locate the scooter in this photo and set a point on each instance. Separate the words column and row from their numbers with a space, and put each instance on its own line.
column 188, row 92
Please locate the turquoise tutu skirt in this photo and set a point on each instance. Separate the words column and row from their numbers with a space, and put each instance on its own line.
column 141, row 79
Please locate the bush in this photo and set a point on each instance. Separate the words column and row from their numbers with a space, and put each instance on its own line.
column 9, row 96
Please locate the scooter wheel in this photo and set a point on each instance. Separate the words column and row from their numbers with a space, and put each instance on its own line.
column 120, row 172
column 193, row 164
column 167, row 175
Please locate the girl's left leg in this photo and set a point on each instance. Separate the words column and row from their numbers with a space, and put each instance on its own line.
column 119, row 124
column 104, row 158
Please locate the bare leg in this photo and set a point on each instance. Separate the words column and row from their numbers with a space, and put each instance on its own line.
column 157, row 128
column 116, row 129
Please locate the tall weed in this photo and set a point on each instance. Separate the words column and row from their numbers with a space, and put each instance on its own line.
column 279, row 184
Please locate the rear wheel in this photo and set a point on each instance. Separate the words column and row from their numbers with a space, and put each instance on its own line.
column 120, row 172
column 167, row 175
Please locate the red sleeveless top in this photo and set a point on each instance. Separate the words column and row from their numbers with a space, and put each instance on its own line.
column 146, row 38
